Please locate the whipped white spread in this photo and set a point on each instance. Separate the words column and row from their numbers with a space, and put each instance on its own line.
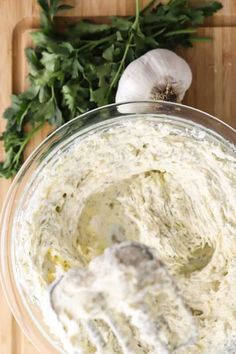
column 162, row 185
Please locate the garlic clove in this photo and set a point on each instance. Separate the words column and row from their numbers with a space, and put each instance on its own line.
column 160, row 74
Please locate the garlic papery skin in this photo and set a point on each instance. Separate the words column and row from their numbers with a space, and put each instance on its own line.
column 160, row 74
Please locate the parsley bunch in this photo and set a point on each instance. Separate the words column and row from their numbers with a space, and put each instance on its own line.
column 79, row 69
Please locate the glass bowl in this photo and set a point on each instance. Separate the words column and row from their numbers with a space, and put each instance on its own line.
column 26, row 313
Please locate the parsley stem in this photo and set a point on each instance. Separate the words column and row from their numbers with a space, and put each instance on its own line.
column 134, row 28
column 27, row 139
column 137, row 12
column 117, row 75
column 93, row 44
column 181, row 31
column 136, row 24
column 147, row 7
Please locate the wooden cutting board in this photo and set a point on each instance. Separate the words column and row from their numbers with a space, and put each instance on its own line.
column 213, row 89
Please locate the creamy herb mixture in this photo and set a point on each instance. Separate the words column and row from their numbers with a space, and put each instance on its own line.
column 152, row 183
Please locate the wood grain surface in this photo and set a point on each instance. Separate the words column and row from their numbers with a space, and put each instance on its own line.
column 214, row 85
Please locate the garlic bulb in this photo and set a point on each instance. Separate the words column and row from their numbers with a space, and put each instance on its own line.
column 160, row 74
